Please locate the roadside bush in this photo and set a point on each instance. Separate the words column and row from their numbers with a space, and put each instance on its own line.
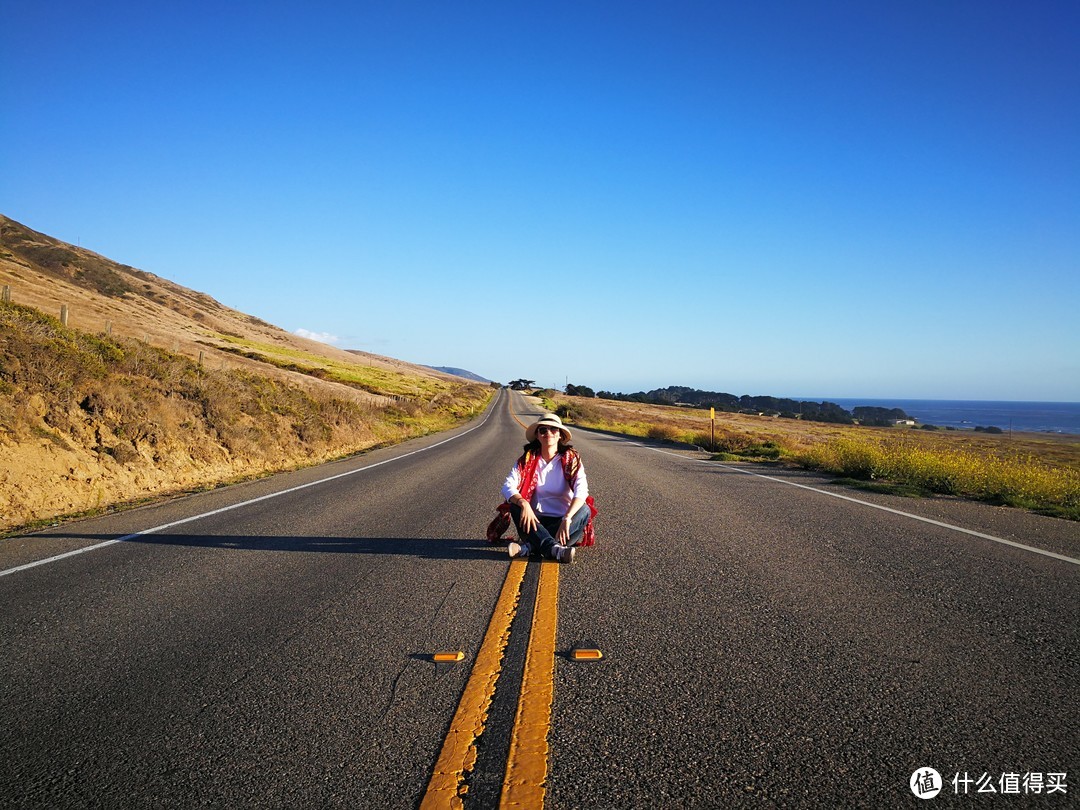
column 667, row 433
column 577, row 411
column 728, row 441
column 700, row 439
column 738, row 446
column 769, row 450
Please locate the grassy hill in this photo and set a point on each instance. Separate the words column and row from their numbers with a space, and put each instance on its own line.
column 151, row 388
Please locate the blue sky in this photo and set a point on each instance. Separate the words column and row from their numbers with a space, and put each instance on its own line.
column 826, row 199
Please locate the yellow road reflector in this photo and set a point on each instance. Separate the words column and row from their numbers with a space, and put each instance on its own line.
column 448, row 657
column 586, row 655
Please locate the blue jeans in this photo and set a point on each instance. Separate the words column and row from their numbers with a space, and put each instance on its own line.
column 542, row 538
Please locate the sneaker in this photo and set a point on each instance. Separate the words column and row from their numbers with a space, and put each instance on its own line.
column 518, row 549
column 563, row 554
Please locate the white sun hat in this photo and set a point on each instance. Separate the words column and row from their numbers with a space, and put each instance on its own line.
column 547, row 419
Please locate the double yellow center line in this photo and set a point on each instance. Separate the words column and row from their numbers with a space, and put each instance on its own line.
column 526, row 765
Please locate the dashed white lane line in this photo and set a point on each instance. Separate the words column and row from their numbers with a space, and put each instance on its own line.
column 848, row 498
column 242, row 504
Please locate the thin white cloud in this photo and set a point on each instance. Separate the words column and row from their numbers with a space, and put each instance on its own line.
column 322, row 337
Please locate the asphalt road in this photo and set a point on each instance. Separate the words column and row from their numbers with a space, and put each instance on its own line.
column 762, row 642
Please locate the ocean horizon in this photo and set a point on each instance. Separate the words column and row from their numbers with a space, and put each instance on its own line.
column 1030, row 417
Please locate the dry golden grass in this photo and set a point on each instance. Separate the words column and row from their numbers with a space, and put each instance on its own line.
column 183, row 393
column 88, row 421
column 1030, row 470
column 47, row 274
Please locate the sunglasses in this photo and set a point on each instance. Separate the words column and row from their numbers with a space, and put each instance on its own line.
column 548, row 430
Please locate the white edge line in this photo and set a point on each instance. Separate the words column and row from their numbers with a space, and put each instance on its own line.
column 972, row 532
column 267, row 497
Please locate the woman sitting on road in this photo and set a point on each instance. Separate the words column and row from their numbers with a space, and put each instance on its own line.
column 548, row 494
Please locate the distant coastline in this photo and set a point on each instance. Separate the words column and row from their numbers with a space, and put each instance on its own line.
column 1061, row 418
column 1030, row 417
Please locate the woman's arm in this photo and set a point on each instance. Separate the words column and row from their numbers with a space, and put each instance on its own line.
column 510, row 491
column 511, row 484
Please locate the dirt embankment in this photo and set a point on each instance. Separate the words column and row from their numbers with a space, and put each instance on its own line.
column 89, row 421
column 144, row 391
column 46, row 474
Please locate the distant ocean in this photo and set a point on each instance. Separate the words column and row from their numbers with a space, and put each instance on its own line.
column 1041, row 417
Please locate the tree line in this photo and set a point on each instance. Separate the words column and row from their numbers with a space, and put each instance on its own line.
column 772, row 406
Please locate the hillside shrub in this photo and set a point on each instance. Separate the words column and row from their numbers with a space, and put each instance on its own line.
column 576, row 411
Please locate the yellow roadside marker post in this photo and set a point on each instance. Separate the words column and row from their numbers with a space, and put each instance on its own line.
column 712, row 428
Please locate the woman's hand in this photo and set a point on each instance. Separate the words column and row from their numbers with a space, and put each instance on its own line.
column 529, row 520
column 563, row 535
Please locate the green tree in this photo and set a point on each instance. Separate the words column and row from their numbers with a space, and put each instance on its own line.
column 579, row 391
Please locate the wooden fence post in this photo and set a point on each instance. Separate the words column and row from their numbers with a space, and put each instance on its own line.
column 64, row 314
column 7, row 294
column 108, row 328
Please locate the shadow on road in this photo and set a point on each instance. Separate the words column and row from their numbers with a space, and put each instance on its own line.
column 424, row 548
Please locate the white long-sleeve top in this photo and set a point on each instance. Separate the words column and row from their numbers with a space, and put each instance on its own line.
column 553, row 494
